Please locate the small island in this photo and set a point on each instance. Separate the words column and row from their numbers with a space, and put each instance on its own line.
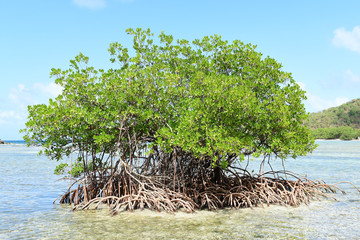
column 174, row 126
column 2, row 142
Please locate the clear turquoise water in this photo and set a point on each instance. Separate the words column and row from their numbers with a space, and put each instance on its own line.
column 28, row 188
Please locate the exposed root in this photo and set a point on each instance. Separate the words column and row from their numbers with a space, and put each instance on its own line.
column 348, row 183
column 129, row 191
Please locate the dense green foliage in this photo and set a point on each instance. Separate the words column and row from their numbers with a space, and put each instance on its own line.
column 343, row 133
column 211, row 100
column 341, row 122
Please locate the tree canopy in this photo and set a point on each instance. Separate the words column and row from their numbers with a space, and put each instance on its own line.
column 208, row 98
column 172, row 106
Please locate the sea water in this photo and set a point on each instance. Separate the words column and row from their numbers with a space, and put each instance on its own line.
column 28, row 188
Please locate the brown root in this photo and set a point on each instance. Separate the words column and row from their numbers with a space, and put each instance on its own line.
column 127, row 190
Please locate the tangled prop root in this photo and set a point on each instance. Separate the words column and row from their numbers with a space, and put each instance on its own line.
column 130, row 191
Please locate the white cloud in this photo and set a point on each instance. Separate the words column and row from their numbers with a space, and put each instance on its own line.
column 97, row 4
column 301, row 85
column 14, row 114
column 21, row 96
column 340, row 100
column 52, row 89
column 347, row 39
column 125, row 1
column 351, row 77
column 92, row 4
column 9, row 116
column 34, row 94
column 316, row 103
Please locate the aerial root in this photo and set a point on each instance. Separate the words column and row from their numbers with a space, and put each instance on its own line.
column 335, row 185
column 127, row 191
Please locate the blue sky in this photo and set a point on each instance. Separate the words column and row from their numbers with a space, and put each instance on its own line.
column 318, row 41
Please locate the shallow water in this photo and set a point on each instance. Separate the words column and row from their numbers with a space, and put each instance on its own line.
column 28, row 188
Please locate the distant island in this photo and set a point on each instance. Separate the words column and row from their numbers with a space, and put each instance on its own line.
column 342, row 122
column 2, row 142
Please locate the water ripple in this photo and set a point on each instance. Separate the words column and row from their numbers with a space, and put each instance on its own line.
column 28, row 187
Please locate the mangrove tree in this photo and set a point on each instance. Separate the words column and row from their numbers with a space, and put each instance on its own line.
column 169, row 125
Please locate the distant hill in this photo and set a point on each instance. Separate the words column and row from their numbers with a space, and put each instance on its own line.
column 347, row 114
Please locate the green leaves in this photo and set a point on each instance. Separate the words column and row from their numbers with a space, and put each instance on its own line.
column 212, row 99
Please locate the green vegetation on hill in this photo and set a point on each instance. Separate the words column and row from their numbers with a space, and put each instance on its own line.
column 341, row 122
column 343, row 133
column 347, row 114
